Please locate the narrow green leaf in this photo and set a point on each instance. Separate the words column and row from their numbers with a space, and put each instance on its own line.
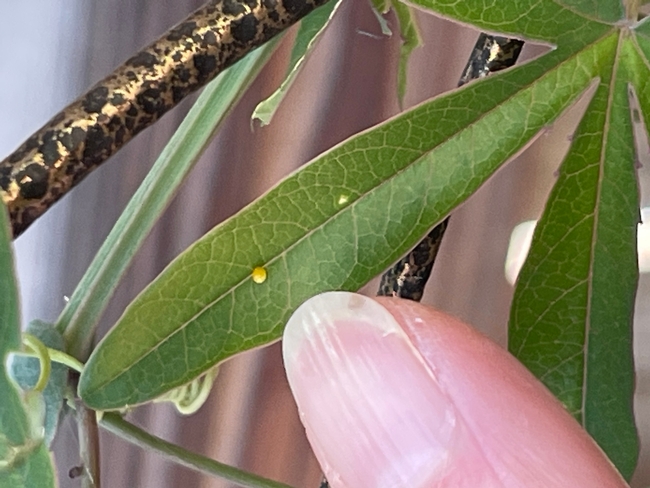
column 571, row 317
column 604, row 10
column 333, row 225
column 542, row 20
column 9, row 317
column 643, row 28
column 311, row 27
column 13, row 424
column 410, row 40
column 24, row 459
column 637, row 60
column 79, row 319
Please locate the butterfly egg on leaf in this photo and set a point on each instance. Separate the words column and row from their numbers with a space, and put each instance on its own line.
column 259, row 274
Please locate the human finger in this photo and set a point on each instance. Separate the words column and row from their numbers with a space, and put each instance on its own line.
column 393, row 393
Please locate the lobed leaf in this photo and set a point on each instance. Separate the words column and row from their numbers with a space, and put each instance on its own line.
column 571, row 317
column 642, row 29
column 605, row 10
column 334, row 224
column 542, row 20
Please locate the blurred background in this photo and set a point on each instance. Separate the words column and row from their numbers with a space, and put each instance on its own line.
column 53, row 50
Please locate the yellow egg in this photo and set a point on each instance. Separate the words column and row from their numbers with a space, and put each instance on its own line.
column 259, row 275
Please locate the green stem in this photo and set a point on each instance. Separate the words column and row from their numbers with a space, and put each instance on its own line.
column 57, row 357
column 88, row 445
column 117, row 425
column 41, row 352
column 632, row 10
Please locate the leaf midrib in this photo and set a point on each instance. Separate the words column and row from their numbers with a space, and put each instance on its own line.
column 594, row 240
column 351, row 205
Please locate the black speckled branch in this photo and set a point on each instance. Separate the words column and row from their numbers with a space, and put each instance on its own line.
column 134, row 96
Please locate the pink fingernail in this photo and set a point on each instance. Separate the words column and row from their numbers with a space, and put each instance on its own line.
column 373, row 410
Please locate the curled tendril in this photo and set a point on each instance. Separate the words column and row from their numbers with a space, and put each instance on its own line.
column 56, row 356
column 43, row 355
column 190, row 397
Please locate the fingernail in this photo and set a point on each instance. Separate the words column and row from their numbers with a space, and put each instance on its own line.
column 373, row 410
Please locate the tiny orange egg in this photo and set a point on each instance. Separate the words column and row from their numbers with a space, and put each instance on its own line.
column 259, row 275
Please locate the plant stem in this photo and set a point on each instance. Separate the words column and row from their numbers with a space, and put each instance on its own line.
column 41, row 352
column 57, row 357
column 115, row 424
column 88, row 445
column 631, row 10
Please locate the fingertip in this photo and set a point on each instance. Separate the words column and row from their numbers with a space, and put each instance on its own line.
column 526, row 434
column 372, row 408
column 393, row 393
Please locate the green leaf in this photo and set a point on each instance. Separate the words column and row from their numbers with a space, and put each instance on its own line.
column 409, row 33
column 30, row 467
column 637, row 61
column 571, row 318
column 542, row 20
column 410, row 40
column 603, row 10
column 9, row 316
column 643, row 28
column 333, row 225
column 308, row 34
column 24, row 459
column 643, row 37
column 80, row 316
column 13, row 424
